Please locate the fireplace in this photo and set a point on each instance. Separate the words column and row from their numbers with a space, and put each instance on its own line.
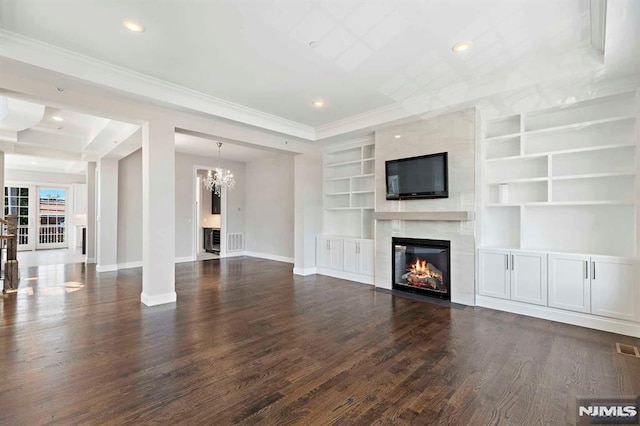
column 421, row 266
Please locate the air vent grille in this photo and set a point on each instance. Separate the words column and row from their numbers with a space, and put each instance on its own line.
column 235, row 241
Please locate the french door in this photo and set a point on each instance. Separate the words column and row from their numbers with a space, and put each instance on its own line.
column 42, row 213
column 17, row 201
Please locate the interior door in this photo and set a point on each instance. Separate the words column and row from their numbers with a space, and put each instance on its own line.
column 52, row 214
column 17, row 202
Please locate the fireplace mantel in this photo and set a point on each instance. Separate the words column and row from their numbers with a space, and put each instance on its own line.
column 436, row 215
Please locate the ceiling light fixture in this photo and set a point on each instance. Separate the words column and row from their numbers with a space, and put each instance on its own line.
column 313, row 44
column 318, row 103
column 462, row 46
column 221, row 178
column 397, row 136
column 57, row 118
column 133, row 26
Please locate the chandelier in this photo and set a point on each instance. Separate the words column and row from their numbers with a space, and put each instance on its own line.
column 219, row 179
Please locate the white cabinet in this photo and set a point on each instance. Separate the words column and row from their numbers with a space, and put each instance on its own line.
column 529, row 277
column 569, row 283
column 599, row 285
column 494, row 274
column 358, row 256
column 613, row 288
column 329, row 253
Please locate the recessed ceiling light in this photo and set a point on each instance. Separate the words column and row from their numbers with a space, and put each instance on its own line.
column 313, row 44
column 33, row 163
column 57, row 118
column 318, row 103
column 133, row 26
column 462, row 46
column 397, row 136
column 59, row 128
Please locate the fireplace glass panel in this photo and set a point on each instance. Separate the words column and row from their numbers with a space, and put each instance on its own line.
column 422, row 267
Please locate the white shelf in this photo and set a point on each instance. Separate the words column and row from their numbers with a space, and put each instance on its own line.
column 337, row 193
column 363, row 192
column 501, row 137
column 561, row 152
column 344, row 163
column 592, row 175
column 566, row 203
column 338, row 178
column 578, row 125
column 522, row 180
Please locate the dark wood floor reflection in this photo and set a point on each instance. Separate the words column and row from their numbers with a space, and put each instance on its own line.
column 247, row 342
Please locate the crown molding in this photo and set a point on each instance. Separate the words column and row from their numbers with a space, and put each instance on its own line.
column 44, row 55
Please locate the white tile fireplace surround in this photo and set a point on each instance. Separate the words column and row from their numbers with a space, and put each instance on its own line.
column 437, row 219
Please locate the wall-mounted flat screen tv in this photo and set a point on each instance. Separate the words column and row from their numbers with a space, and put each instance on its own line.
column 418, row 177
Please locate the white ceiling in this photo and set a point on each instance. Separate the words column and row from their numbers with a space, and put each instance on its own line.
column 370, row 54
column 64, row 147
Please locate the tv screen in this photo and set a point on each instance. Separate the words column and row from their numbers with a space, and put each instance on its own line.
column 418, row 177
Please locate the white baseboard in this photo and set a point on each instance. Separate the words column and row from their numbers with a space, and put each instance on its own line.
column 158, row 299
column 559, row 315
column 365, row 279
column 106, row 268
column 234, row 253
column 269, row 256
column 305, row 271
column 129, row 265
column 185, row 259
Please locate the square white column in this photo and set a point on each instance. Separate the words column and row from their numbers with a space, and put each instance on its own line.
column 158, row 213
column 107, row 241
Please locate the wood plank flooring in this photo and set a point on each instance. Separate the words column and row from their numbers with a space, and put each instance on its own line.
column 249, row 343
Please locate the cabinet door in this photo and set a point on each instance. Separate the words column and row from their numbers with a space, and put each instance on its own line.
column 367, row 258
column 322, row 253
column 613, row 288
column 335, row 254
column 494, row 274
column 351, row 256
column 569, row 286
column 529, row 277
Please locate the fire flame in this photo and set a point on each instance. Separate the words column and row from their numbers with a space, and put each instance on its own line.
column 420, row 268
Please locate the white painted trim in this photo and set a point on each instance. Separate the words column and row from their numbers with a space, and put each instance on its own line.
column 38, row 53
column 129, row 265
column 269, row 256
column 236, row 253
column 575, row 318
column 106, row 268
column 305, row 271
column 159, row 299
column 90, row 260
column 365, row 279
column 185, row 259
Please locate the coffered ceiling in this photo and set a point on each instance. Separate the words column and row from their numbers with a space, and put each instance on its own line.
column 359, row 57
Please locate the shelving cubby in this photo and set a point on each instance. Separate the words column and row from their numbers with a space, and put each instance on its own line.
column 571, row 175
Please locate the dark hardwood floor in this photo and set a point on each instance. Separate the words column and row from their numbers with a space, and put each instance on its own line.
column 247, row 342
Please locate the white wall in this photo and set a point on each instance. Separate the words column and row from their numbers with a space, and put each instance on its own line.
column 269, row 215
column 130, row 204
column 130, row 208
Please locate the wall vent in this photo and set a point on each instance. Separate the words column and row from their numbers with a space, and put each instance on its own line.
column 235, row 241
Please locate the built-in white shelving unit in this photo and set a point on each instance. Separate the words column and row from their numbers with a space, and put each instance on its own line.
column 570, row 175
column 349, row 190
column 559, row 214
column 345, row 248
